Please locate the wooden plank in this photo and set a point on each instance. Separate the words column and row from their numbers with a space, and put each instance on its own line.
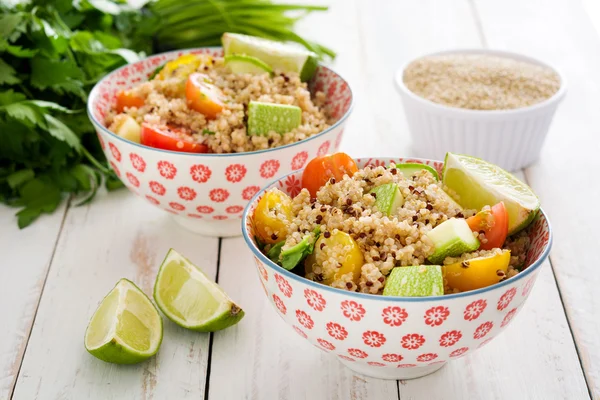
column 263, row 358
column 26, row 255
column 560, row 32
column 117, row 236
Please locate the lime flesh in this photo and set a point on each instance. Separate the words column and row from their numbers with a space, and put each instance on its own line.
column 126, row 328
column 190, row 299
column 475, row 183
column 280, row 56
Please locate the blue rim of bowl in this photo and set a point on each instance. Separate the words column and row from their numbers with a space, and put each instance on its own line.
column 106, row 130
column 257, row 253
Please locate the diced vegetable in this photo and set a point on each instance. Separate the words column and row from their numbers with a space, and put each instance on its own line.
column 476, row 183
column 478, row 272
column 203, row 96
column 494, row 225
column 322, row 169
column 170, row 138
column 271, row 215
column 280, row 56
column 128, row 128
column 451, row 238
column 351, row 263
column 416, row 281
column 126, row 99
column 243, row 64
column 267, row 117
column 409, row 169
column 388, row 198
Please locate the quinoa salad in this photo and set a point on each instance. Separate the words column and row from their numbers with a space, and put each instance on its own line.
column 241, row 102
column 395, row 230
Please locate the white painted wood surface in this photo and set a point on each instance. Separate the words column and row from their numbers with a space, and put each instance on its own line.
column 117, row 236
column 25, row 257
column 261, row 358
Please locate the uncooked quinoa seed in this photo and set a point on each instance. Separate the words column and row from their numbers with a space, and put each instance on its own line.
column 480, row 82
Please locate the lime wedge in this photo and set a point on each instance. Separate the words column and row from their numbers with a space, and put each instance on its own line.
column 126, row 328
column 243, row 64
column 266, row 117
column 190, row 299
column 409, row 169
column 280, row 56
column 476, row 183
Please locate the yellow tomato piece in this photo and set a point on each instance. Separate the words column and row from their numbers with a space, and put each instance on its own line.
column 477, row 273
column 180, row 67
column 351, row 261
column 272, row 215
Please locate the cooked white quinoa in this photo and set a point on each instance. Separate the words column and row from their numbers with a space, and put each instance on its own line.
column 385, row 242
column 165, row 103
column 480, row 82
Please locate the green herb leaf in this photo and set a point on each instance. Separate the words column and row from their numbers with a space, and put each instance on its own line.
column 207, row 132
column 8, row 75
column 16, row 179
column 62, row 132
column 275, row 252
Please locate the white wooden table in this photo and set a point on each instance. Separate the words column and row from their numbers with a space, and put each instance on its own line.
column 54, row 273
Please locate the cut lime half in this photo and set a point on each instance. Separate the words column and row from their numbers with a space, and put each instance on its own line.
column 475, row 183
column 126, row 328
column 280, row 56
column 243, row 64
column 190, row 299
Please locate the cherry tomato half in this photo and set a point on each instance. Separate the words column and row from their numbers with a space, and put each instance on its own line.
column 126, row 99
column 321, row 169
column 203, row 96
column 170, row 138
column 494, row 224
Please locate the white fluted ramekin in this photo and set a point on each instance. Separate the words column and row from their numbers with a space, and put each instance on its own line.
column 511, row 139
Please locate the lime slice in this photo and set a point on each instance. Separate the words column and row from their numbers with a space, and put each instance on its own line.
column 243, row 64
column 280, row 56
column 126, row 328
column 409, row 169
column 190, row 299
column 417, row 281
column 476, row 183
column 266, row 117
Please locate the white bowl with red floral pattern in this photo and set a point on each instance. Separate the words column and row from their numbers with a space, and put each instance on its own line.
column 394, row 337
column 207, row 193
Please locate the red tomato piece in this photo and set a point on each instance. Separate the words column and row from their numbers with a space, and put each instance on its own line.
column 170, row 138
column 493, row 223
column 126, row 99
column 321, row 169
column 203, row 96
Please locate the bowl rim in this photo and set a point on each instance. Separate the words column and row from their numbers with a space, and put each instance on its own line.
column 94, row 94
column 555, row 98
column 394, row 299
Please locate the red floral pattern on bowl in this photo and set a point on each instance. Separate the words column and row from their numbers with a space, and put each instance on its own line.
column 222, row 182
column 396, row 338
